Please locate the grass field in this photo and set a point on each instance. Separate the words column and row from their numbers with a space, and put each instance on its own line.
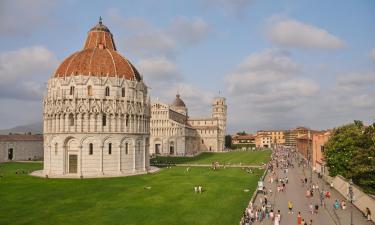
column 235, row 157
column 170, row 200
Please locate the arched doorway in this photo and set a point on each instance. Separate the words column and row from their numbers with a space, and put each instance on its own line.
column 171, row 148
column 71, row 162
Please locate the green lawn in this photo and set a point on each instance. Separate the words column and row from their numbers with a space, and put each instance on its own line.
column 235, row 157
column 171, row 200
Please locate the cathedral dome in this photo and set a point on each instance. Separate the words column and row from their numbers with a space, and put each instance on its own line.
column 178, row 102
column 98, row 58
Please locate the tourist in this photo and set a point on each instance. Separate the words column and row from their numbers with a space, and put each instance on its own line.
column 311, row 223
column 290, row 207
column 336, row 205
column 343, row 205
column 299, row 218
column 200, row 189
column 316, row 208
column 368, row 213
column 272, row 215
column 311, row 208
column 303, row 222
column 195, row 189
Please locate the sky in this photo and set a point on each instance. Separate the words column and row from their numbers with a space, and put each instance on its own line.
column 279, row 64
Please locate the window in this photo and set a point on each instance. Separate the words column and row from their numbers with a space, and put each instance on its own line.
column 127, row 120
column 123, row 92
column 71, row 120
column 109, row 148
column 89, row 90
column 71, row 90
column 107, row 91
column 202, row 142
column 104, row 120
column 322, row 148
column 126, row 148
column 91, row 149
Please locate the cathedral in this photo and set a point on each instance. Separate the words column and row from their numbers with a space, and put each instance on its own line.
column 174, row 133
column 96, row 113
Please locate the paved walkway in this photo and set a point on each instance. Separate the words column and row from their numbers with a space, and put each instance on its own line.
column 295, row 192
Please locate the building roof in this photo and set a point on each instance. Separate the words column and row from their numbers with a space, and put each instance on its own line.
column 178, row 102
column 21, row 137
column 244, row 137
column 99, row 57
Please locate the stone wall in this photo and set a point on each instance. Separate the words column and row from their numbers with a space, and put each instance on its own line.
column 22, row 150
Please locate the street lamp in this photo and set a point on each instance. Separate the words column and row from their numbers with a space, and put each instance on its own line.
column 351, row 200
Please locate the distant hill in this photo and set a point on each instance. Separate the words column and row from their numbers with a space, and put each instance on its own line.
column 34, row 128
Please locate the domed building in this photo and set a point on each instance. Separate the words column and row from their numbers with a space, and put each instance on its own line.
column 96, row 113
column 173, row 132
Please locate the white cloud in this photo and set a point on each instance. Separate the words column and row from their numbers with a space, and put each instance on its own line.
column 158, row 69
column 293, row 33
column 146, row 40
column 372, row 54
column 356, row 81
column 24, row 16
column 189, row 32
column 268, row 90
column 235, row 7
column 23, row 72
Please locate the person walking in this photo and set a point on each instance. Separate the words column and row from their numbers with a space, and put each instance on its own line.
column 299, row 218
column 290, row 207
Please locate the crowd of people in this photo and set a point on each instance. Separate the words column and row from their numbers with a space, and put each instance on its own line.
column 283, row 159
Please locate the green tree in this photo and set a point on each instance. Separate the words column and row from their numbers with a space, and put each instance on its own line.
column 350, row 152
column 241, row 133
column 228, row 141
column 341, row 147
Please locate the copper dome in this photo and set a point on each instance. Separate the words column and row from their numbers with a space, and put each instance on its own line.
column 178, row 102
column 99, row 57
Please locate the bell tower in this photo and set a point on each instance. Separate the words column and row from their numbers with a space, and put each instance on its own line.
column 219, row 110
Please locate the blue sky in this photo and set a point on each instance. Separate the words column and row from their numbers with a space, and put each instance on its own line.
column 280, row 64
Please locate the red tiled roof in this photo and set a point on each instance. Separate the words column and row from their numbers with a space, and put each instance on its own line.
column 99, row 57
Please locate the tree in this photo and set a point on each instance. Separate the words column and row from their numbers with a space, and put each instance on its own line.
column 341, row 147
column 228, row 141
column 350, row 152
column 241, row 133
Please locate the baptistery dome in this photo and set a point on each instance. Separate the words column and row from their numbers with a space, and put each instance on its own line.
column 98, row 57
column 96, row 113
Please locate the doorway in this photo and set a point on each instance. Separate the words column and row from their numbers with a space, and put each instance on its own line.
column 10, row 154
column 157, row 149
column 73, row 163
column 171, row 150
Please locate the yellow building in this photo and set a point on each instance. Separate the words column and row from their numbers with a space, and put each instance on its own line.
column 268, row 138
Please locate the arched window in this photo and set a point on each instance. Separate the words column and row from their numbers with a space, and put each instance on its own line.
column 71, row 119
column 127, row 120
column 71, row 90
column 126, row 148
column 123, row 92
column 109, row 148
column 89, row 90
column 106, row 91
column 91, row 149
column 104, row 120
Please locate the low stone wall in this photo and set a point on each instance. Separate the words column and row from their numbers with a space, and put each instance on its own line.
column 361, row 199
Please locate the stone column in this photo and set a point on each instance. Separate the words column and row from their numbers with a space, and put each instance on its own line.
column 119, row 158
column 66, row 123
column 134, row 147
column 80, row 161
column 144, row 155
column 101, row 159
